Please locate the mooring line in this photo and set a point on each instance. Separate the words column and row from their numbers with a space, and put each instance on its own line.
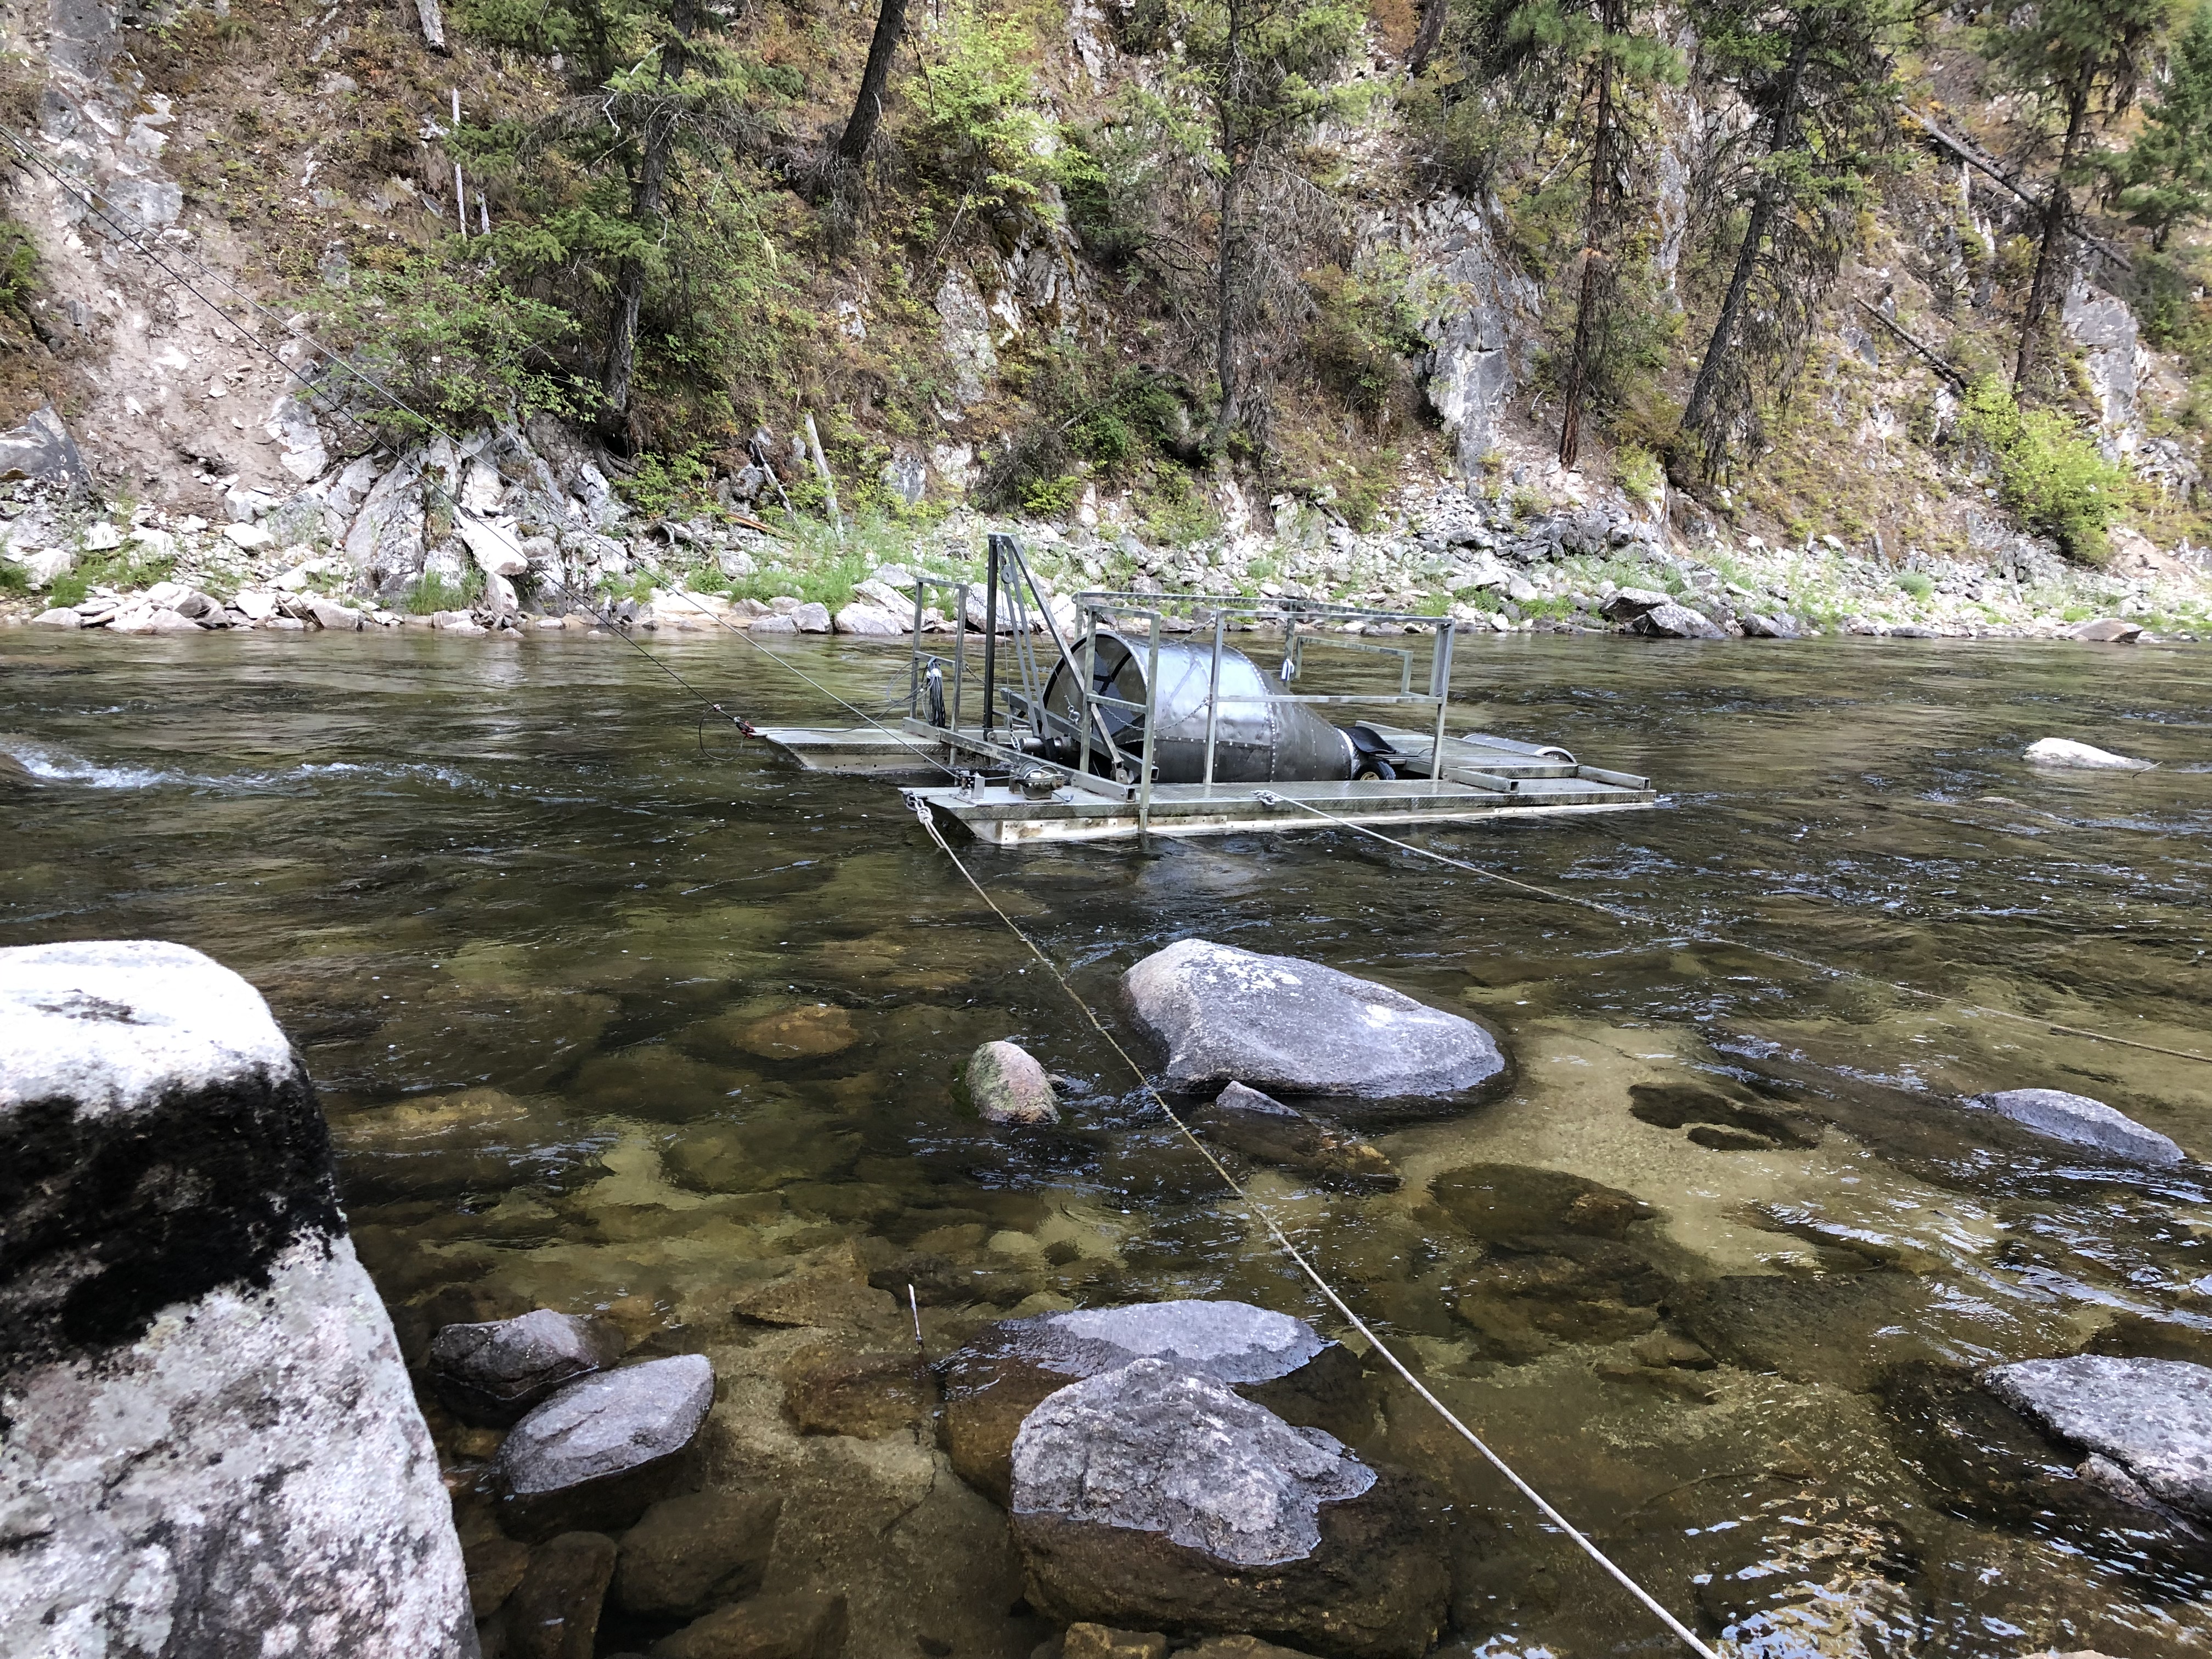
column 1619, row 912
column 1652, row 1603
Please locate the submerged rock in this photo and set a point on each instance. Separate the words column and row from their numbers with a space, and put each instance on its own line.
column 806, row 1033
column 604, row 1448
column 2082, row 1121
column 1009, row 1086
column 2153, row 1417
column 555, row 1610
column 491, row 1374
column 1499, row 1201
column 2106, row 630
column 1154, row 1495
column 1713, row 1120
column 866, row 1395
column 803, row 1627
column 992, row 1385
column 1278, row 1023
column 2064, row 751
column 1261, row 1127
column 211, row 1434
column 691, row 1554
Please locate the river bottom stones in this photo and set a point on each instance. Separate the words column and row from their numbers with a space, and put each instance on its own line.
column 1298, row 1028
column 1153, row 1495
column 2078, row 1120
column 212, row 1445
column 602, row 1450
column 691, row 1554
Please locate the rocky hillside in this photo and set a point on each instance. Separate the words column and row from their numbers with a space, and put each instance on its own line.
column 523, row 308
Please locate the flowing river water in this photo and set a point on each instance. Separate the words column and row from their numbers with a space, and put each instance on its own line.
column 535, row 929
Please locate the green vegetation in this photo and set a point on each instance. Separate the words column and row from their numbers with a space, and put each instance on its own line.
column 2163, row 179
column 1917, row 585
column 432, row 594
column 2047, row 469
column 122, row 567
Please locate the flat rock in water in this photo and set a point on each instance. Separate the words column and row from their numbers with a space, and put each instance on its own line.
column 1630, row 603
column 1675, row 622
column 2082, row 1121
column 992, row 1385
column 1009, row 1086
column 2108, row 630
column 1279, row 1024
column 1499, row 1201
column 865, row 1396
column 490, row 1374
column 603, row 1449
column 2064, row 751
column 1261, row 1127
column 691, row 1554
column 1155, row 1496
column 2153, row 1417
column 211, row 1436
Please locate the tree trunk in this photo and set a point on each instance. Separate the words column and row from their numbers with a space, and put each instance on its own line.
column 2054, row 233
column 1754, row 237
column 868, row 107
column 1612, row 22
column 645, row 207
column 1428, row 35
column 1229, row 250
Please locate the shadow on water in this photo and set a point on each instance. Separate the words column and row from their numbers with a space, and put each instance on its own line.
column 613, row 1014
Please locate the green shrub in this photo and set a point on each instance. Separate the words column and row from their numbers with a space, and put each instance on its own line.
column 123, row 567
column 433, row 592
column 14, row 579
column 1639, row 475
column 18, row 270
column 458, row 349
column 1365, row 329
column 1917, row 584
column 2049, row 471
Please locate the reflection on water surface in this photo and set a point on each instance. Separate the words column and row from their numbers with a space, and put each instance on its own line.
column 612, row 1014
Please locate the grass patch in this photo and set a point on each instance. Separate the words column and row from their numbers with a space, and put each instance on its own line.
column 432, row 592
column 120, row 567
column 1916, row 583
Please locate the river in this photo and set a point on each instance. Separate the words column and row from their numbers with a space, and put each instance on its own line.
column 530, row 867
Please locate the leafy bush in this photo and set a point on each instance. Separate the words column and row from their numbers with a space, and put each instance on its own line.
column 1639, row 475
column 123, row 567
column 457, row 348
column 18, row 270
column 433, row 592
column 1916, row 584
column 978, row 124
column 14, row 579
column 1364, row 327
column 2049, row 471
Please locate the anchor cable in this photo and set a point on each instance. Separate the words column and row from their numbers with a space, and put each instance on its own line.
column 1619, row 912
column 1652, row 1603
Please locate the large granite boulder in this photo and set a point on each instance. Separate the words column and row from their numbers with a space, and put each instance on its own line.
column 992, row 1384
column 490, row 1374
column 603, row 1449
column 1277, row 1023
column 2151, row 1417
column 2057, row 1116
column 1154, row 1496
column 211, row 1434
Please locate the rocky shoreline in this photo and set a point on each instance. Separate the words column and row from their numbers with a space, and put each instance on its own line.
column 516, row 531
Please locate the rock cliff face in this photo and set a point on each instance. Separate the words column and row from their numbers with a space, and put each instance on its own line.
column 213, row 1448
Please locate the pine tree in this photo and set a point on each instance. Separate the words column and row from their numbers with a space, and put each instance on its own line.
column 2078, row 61
column 1617, row 63
column 1819, row 74
column 2163, row 179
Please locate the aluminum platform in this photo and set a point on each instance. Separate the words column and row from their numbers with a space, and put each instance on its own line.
column 1483, row 777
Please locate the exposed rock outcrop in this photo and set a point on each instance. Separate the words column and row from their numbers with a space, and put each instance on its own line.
column 210, row 1432
column 1276, row 1023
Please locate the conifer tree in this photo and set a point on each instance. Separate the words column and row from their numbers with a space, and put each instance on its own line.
column 2078, row 61
column 2165, row 178
column 1616, row 62
column 1819, row 74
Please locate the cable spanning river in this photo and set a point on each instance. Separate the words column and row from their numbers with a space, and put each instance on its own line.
column 613, row 1013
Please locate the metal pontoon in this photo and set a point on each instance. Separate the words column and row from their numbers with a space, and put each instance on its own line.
column 1131, row 728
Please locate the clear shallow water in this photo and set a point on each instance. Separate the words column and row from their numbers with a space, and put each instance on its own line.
column 524, row 868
